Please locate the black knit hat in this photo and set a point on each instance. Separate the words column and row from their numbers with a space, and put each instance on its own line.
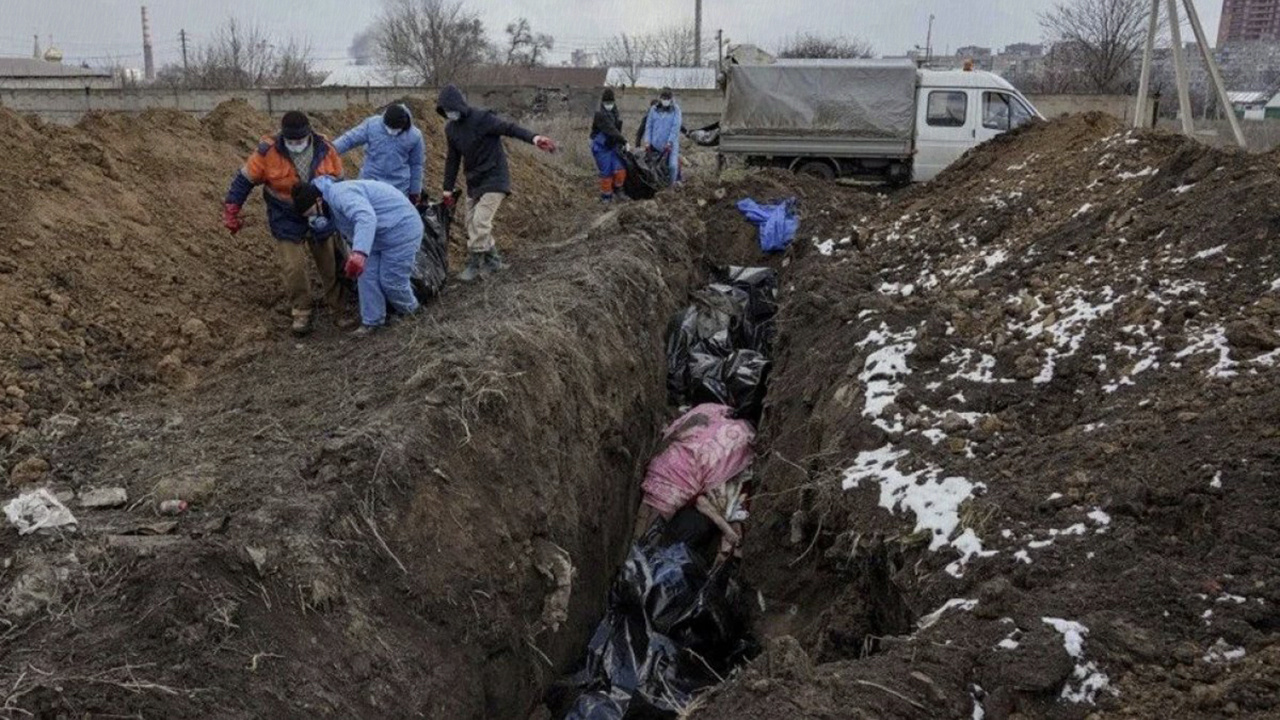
column 396, row 117
column 607, row 95
column 665, row 94
column 305, row 196
column 295, row 125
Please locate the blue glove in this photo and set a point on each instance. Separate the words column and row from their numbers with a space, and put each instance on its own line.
column 319, row 224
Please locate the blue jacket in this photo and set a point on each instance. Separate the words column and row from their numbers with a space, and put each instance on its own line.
column 396, row 160
column 372, row 215
column 662, row 127
column 475, row 141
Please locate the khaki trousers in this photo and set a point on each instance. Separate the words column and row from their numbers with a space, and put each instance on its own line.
column 297, row 285
column 480, row 221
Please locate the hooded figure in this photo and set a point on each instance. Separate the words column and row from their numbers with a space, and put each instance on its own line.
column 395, row 152
column 607, row 141
column 385, row 232
column 296, row 155
column 662, row 130
column 475, row 143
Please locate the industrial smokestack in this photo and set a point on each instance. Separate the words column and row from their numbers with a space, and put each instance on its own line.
column 148, row 63
column 36, row 52
column 697, row 34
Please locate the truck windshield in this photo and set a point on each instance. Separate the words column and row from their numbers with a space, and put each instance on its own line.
column 1001, row 111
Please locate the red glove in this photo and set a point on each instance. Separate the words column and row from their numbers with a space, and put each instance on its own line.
column 447, row 201
column 355, row 265
column 231, row 218
column 545, row 143
column 415, row 198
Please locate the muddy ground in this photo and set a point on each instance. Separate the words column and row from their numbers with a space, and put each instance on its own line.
column 1021, row 444
column 1018, row 456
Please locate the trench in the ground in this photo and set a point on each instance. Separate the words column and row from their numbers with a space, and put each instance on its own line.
column 842, row 610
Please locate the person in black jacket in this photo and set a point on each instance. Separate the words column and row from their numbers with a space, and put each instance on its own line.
column 607, row 141
column 475, row 137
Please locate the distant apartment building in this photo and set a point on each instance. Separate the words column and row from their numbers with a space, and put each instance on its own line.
column 1249, row 21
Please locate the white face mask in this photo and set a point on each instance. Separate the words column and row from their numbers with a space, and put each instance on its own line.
column 453, row 115
column 609, row 106
column 297, row 146
column 394, row 131
column 666, row 103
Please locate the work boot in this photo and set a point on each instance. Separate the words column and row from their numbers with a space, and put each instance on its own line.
column 345, row 322
column 606, row 199
column 493, row 262
column 474, row 268
column 301, row 325
column 365, row 331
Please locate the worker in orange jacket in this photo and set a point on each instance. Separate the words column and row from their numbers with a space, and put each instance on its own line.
column 296, row 155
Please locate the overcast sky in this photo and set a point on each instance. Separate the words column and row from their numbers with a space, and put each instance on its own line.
column 99, row 28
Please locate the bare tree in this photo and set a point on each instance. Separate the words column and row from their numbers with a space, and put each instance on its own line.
column 294, row 66
column 628, row 52
column 437, row 39
column 364, row 47
column 677, row 46
column 809, row 45
column 239, row 56
column 1103, row 37
column 524, row 48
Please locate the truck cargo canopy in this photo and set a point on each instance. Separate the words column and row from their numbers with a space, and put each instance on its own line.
column 864, row 98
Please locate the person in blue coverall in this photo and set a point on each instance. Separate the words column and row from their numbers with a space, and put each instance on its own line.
column 385, row 232
column 395, row 152
column 662, row 130
column 607, row 144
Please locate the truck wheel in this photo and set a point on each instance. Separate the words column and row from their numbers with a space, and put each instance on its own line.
column 816, row 168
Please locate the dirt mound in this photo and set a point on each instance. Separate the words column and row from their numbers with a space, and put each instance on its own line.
column 1022, row 443
column 118, row 272
column 386, row 542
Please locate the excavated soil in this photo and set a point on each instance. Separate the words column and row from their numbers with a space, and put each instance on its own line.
column 118, row 274
column 1018, row 455
column 1021, row 445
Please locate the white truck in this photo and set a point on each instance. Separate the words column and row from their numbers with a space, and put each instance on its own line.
column 870, row 119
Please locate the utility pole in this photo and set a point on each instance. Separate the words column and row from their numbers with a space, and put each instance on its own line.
column 720, row 50
column 148, row 60
column 1141, row 115
column 186, row 69
column 697, row 34
column 1180, row 69
column 928, row 42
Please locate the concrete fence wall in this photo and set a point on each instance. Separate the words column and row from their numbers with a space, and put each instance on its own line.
column 701, row 107
column 68, row 106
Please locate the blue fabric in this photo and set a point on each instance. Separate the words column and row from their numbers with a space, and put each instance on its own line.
column 386, row 280
column 396, row 160
column 778, row 223
column 607, row 159
column 373, row 216
column 475, row 141
column 662, row 128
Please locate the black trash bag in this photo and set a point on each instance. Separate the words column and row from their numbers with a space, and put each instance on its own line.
column 739, row 381
column 672, row 628
column 711, row 326
column 761, row 287
column 431, row 264
column 708, row 136
column 658, row 163
column 642, row 182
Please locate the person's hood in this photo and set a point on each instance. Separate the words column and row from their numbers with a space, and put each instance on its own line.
column 452, row 100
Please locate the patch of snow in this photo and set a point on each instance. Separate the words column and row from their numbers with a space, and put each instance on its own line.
column 1213, row 340
column 935, row 500
column 1039, row 544
column 826, row 247
column 1022, row 557
column 1008, row 644
column 905, row 290
column 1216, row 482
column 1083, row 209
column 1100, row 517
column 979, row 712
column 1275, row 285
column 1228, row 597
column 1183, row 189
column 933, row 617
column 1091, row 680
column 1205, row 254
column 1054, row 496
column 1146, row 172
column 935, row 435
column 1091, row 427
column 1221, row 652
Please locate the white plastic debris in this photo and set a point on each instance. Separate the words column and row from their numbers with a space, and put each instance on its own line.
column 36, row 510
